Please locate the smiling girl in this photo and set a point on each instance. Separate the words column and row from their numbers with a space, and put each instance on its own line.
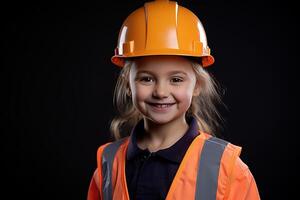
column 165, row 146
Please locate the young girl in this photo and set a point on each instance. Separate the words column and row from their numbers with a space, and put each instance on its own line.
column 165, row 148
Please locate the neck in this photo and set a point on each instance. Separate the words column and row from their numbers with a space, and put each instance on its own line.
column 161, row 136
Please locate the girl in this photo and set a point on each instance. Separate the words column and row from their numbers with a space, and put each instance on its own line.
column 165, row 100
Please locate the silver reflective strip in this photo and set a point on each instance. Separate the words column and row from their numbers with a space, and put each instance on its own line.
column 107, row 164
column 208, row 169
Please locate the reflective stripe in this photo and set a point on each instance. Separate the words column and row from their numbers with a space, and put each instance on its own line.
column 208, row 169
column 107, row 164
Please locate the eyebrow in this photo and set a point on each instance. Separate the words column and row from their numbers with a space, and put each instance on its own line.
column 170, row 73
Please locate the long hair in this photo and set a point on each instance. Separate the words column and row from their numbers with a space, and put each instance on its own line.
column 203, row 107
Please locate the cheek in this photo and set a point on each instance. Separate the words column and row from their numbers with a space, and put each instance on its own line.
column 140, row 93
column 184, row 94
column 184, row 97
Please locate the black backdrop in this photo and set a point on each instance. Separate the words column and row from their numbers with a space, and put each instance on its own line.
column 58, row 84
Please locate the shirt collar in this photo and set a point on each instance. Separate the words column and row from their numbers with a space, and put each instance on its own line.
column 174, row 153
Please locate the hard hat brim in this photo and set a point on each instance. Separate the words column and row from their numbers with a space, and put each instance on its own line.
column 205, row 61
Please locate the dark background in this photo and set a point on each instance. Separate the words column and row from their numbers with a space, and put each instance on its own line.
column 58, row 84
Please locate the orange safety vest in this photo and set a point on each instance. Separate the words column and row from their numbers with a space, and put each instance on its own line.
column 211, row 169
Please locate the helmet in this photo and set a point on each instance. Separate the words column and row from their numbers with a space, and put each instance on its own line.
column 161, row 27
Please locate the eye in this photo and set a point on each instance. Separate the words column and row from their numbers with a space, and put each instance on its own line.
column 176, row 79
column 146, row 79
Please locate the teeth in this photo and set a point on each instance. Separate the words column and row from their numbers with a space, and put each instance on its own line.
column 162, row 105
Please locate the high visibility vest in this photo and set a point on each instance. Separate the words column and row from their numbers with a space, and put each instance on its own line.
column 205, row 173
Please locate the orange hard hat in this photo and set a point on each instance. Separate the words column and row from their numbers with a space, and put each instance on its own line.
column 162, row 27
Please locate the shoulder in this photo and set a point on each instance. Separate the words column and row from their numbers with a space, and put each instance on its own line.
column 242, row 171
column 218, row 143
column 235, row 180
column 236, row 177
column 101, row 148
column 111, row 146
column 242, row 184
column 231, row 159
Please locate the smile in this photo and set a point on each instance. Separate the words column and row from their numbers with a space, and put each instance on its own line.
column 161, row 107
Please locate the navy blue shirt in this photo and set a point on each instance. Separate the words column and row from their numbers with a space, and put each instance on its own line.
column 149, row 175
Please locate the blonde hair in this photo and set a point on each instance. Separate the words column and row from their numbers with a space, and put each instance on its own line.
column 203, row 107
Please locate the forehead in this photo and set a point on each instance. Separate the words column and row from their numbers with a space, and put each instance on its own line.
column 163, row 64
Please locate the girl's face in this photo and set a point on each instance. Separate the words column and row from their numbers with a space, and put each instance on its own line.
column 162, row 87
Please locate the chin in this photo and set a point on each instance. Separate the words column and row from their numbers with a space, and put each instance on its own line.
column 158, row 121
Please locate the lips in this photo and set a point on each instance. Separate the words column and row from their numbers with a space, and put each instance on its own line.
column 161, row 106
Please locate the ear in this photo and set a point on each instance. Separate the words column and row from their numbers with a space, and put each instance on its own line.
column 128, row 92
column 197, row 89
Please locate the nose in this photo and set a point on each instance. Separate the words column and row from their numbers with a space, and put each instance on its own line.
column 161, row 90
